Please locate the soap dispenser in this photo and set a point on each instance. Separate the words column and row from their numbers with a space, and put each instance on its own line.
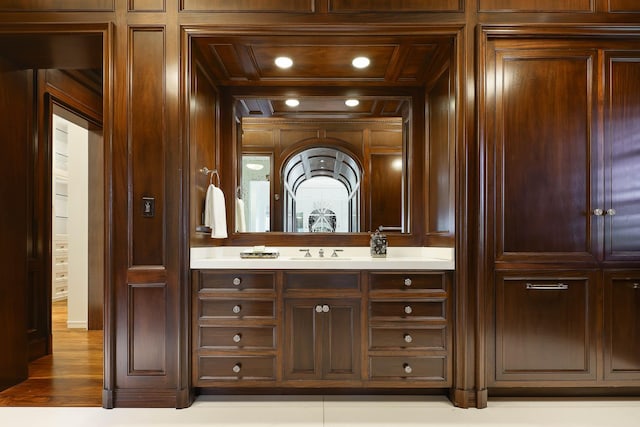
column 378, row 244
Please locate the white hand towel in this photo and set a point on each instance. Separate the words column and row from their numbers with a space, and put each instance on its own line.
column 241, row 223
column 215, row 212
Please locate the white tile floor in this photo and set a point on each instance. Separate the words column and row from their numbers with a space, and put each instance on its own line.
column 315, row 411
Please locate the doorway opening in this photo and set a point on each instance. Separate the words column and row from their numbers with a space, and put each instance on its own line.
column 59, row 356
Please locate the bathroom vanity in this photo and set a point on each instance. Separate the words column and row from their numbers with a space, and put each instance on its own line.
column 345, row 322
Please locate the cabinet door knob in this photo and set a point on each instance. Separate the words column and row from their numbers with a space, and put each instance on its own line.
column 236, row 281
column 237, row 338
column 318, row 308
column 407, row 282
column 407, row 368
column 611, row 212
column 237, row 368
column 237, row 309
column 636, row 286
column 408, row 338
column 598, row 212
column 408, row 309
column 325, row 308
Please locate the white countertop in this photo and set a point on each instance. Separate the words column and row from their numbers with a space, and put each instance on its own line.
column 350, row 258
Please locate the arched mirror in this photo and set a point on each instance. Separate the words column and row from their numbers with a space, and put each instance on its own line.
column 321, row 191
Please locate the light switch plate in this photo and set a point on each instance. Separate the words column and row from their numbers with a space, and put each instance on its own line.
column 148, row 207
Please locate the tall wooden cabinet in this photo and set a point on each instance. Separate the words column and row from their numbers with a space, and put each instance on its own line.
column 562, row 211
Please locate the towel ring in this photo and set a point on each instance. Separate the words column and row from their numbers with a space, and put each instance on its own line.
column 211, row 172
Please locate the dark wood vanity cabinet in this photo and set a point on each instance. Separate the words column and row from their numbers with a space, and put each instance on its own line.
column 322, row 339
column 235, row 327
column 329, row 328
column 409, row 328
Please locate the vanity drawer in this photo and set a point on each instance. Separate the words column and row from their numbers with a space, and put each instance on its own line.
column 237, row 308
column 237, row 281
column 238, row 337
column 389, row 338
column 319, row 280
column 398, row 281
column 407, row 309
column 236, row 367
column 399, row 367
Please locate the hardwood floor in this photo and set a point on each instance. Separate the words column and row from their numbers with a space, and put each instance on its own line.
column 71, row 376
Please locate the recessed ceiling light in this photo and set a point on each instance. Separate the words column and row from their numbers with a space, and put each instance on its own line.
column 284, row 62
column 361, row 62
column 351, row 102
column 254, row 166
column 292, row 102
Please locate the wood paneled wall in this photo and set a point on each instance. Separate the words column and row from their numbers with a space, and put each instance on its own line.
column 16, row 89
column 147, row 304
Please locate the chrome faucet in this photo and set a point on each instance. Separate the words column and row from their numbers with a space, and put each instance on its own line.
column 306, row 251
column 321, row 253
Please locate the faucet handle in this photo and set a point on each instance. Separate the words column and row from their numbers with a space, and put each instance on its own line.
column 321, row 253
column 307, row 254
column 335, row 253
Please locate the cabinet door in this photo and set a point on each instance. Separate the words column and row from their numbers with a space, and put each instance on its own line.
column 302, row 340
column 322, row 339
column 341, row 347
column 545, row 327
column 622, row 326
column 622, row 156
column 541, row 105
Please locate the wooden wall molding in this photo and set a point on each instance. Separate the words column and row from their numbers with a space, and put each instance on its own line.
column 539, row 6
column 58, row 5
column 147, row 140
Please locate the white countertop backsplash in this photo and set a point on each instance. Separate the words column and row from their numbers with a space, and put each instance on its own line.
column 350, row 258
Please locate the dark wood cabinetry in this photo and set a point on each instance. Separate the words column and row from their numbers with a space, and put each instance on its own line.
column 322, row 339
column 314, row 329
column 560, row 117
column 546, row 326
column 235, row 327
column 622, row 326
column 409, row 330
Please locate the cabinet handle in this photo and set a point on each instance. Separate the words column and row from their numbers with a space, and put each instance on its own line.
column 237, row 338
column 237, row 309
column 237, row 368
column 318, row 308
column 407, row 368
column 598, row 212
column 236, row 281
column 407, row 282
column 548, row 286
column 408, row 309
column 611, row 212
column 408, row 338
column 325, row 308
column 636, row 286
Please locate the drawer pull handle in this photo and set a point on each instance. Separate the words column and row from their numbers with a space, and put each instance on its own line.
column 407, row 282
column 236, row 281
column 237, row 338
column 407, row 368
column 548, row 286
column 408, row 338
column 237, row 309
column 408, row 309
column 237, row 368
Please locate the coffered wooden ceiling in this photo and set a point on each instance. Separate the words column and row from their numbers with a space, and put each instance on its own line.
column 322, row 76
